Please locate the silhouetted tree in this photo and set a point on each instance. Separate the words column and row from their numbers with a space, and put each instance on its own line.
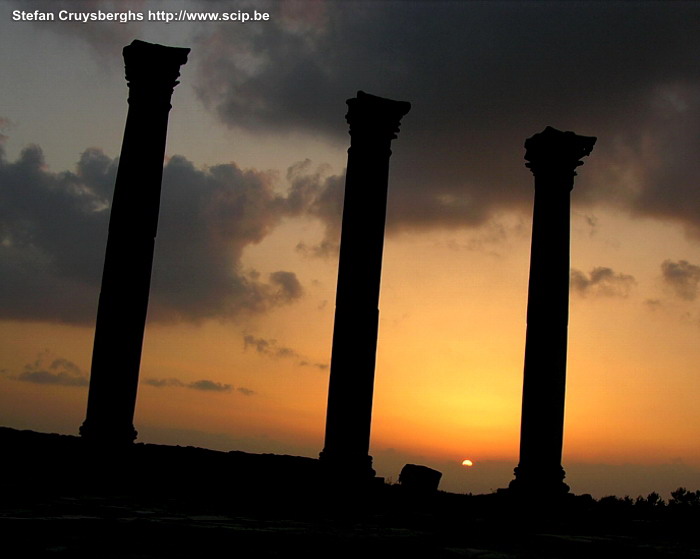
column 681, row 497
column 651, row 501
column 617, row 503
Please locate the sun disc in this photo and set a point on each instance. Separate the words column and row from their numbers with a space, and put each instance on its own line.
column 467, row 463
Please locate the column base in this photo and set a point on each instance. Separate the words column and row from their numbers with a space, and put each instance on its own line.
column 347, row 468
column 539, row 481
column 107, row 435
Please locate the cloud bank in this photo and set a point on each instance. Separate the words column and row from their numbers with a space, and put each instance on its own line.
column 482, row 77
column 53, row 231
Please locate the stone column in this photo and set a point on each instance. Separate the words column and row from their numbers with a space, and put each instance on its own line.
column 553, row 157
column 151, row 73
column 374, row 122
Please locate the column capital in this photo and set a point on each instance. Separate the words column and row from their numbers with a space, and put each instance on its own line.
column 152, row 70
column 375, row 116
column 553, row 152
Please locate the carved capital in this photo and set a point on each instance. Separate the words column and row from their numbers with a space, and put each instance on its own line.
column 553, row 152
column 375, row 117
column 152, row 70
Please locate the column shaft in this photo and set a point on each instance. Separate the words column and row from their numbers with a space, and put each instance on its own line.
column 553, row 156
column 373, row 123
column 151, row 73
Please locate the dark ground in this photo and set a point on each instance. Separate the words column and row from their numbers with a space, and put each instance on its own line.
column 60, row 500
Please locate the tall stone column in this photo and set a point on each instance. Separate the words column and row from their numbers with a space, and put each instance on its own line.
column 552, row 157
column 374, row 122
column 151, row 73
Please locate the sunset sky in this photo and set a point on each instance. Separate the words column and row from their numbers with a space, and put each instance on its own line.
column 238, row 339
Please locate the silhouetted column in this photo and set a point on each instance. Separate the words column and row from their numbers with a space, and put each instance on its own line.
column 374, row 122
column 151, row 73
column 553, row 157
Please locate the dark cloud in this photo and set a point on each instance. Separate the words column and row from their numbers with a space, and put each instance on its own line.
column 163, row 383
column 53, row 230
column 682, row 277
column 288, row 286
column 601, row 281
column 203, row 385
column 482, row 77
column 209, row 386
column 270, row 348
column 54, row 371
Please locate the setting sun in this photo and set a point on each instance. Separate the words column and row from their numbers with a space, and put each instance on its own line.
column 467, row 463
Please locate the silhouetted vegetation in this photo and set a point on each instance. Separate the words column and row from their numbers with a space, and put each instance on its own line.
column 682, row 501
